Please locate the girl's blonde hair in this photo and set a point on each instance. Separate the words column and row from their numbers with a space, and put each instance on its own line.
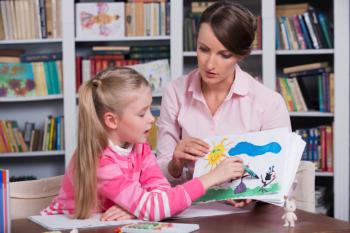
column 107, row 92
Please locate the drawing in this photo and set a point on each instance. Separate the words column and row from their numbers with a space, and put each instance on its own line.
column 100, row 19
column 16, row 79
column 217, row 154
column 263, row 155
column 254, row 150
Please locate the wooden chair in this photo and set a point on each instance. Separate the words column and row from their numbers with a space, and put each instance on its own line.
column 30, row 197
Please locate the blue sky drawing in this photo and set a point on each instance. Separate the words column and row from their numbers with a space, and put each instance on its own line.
column 254, row 150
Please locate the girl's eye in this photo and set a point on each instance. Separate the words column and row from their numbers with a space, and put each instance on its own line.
column 142, row 115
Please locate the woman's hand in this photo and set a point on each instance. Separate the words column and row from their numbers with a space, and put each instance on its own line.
column 229, row 169
column 116, row 213
column 187, row 150
column 238, row 203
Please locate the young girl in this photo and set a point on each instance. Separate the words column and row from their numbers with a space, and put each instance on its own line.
column 113, row 164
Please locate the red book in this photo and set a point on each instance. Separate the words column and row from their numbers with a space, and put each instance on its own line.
column 78, row 78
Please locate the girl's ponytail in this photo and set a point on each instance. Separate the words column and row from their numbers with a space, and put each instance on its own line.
column 92, row 140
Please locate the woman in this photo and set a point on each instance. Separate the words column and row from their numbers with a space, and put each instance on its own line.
column 218, row 98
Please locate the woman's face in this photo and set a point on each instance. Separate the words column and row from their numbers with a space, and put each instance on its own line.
column 215, row 62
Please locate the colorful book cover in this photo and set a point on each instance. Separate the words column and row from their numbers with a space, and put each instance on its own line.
column 270, row 159
column 100, row 20
column 16, row 79
column 156, row 72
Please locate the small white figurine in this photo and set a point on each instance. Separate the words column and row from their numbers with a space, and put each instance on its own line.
column 74, row 230
column 289, row 215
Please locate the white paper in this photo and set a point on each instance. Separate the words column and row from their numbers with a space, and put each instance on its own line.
column 272, row 156
column 63, row 222
column 212, row 209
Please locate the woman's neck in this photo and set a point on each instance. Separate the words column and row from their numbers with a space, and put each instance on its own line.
column 219, row 89
column 215, row 95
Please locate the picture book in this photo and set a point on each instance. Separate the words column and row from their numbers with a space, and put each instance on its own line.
column 16, row 79
column 100, row 20
column 5, row 221
column 156, row 72
column 270, row 159
column 158, row 227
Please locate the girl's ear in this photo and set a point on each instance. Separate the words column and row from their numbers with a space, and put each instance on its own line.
column 111, row 120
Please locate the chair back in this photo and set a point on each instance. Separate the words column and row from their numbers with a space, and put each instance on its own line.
column 305, row 189
column 30, row 197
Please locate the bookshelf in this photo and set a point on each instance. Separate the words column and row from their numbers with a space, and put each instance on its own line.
column 267, row 61
column 33, row 109
column 262, row 62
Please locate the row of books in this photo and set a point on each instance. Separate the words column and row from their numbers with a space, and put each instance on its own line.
column 191, row 23
column 157, row 72
column 119, row 19
column 50, row 138
column 31, row 79
column 30, row 19
column 151, row 61
column 319, row 147
column 5, row 220
column 11, row 137
column 301, row 26
column 309, row 88
column 147, row 18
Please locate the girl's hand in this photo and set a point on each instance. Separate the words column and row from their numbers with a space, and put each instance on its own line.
column 229, row 169
column 116, row 213
column 187, row 150
column 238, row 203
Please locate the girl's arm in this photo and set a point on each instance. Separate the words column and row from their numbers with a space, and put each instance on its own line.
column 150, row 197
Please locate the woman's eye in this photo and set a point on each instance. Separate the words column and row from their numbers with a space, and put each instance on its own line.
column 203, row 49
column 226, row 56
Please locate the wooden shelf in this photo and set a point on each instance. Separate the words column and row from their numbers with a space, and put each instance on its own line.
column 32, row 154
column 324, row 174
column 131, row 38
column 31, row 41
column 194, row 53
column 311, row 114
column 31, row 98
column 305, row 51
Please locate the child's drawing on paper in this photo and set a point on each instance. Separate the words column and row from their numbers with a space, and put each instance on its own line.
column 101, row 19
column 262, row 156
column 156, row 72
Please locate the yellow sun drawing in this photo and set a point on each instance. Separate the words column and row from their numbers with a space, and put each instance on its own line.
column 217, row 154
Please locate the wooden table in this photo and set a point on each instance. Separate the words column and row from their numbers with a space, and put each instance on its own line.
column 264, row 218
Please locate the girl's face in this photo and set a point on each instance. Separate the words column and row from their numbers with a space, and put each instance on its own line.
column 134, row 125
column 215, row 62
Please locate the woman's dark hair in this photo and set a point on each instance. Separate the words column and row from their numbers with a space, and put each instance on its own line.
column 232, row 24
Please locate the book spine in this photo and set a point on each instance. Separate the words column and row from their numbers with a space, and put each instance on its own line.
column 305, row 32
column 43, row 19
column 311, row 30
column 325, row 30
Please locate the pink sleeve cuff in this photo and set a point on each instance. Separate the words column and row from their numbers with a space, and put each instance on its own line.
column 194, row 188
